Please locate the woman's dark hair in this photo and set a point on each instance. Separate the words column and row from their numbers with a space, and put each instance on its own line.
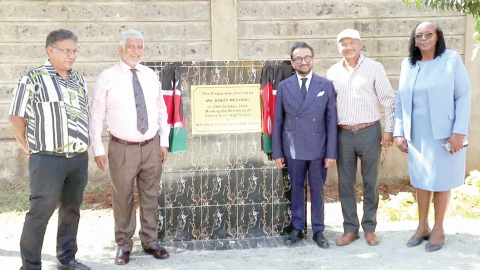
column 414, row 52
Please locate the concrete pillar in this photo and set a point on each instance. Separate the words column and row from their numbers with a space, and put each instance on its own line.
column 224, row 29
column 473, row 67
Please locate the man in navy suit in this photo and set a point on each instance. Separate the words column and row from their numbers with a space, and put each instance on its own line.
column 305, row 138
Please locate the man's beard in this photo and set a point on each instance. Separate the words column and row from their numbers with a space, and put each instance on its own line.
column 300, row 71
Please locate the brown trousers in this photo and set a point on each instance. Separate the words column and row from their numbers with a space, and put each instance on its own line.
column 127, row 163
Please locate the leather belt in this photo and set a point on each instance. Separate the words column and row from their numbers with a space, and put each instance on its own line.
column 64, row 155
column 359, row 126
column 130, row 143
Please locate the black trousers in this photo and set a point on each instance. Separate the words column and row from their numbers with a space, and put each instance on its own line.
column 53, row 180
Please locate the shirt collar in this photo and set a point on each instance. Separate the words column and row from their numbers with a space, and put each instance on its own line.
column 360, row 60
column 52, row 71
column 126, row 68
column 309, row 76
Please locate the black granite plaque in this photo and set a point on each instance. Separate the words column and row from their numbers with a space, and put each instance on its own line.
column 224, row 192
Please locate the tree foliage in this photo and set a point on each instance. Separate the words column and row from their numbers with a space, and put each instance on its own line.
column 471, row 7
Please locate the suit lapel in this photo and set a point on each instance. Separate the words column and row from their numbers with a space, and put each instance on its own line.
column 313, row 90
column 295, row 90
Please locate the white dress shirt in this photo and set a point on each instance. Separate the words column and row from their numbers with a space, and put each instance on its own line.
column 309, row 79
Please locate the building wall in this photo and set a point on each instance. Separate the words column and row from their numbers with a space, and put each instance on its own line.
column 218, row 29
column 269, row 28
column 174, row 30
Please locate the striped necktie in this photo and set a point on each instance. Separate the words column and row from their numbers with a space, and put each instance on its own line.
column 303, row 89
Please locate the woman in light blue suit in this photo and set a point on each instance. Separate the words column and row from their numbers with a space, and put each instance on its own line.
column 432, row 110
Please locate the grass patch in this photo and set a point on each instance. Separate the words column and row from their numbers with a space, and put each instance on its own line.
column 14, row 197
column 464, row 202
column 98, row 196
column 397, row 201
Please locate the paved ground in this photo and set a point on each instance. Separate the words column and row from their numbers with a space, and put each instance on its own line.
column 97, row 248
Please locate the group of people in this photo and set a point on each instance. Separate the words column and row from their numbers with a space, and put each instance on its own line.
column 322, row 121
column 54, row 127
column 318, row 122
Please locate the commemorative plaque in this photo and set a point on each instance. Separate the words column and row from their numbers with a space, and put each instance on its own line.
column 224, row 189
column 226, row 109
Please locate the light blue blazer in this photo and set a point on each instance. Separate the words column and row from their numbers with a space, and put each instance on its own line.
column 449, row 97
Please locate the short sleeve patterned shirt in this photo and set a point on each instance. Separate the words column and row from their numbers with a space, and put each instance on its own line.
column 55, row 110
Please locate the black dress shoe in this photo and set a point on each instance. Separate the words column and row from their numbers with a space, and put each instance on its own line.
column 294, row 237
column 123, row 257
column 73, row 265
column 157, row 251
column 429, row 247
column 320, row 239
column 413, row 242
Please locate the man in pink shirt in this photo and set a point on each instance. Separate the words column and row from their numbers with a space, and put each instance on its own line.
column 130, row 95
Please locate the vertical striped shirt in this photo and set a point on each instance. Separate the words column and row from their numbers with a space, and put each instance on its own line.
column 359, row 91
column 55, row 110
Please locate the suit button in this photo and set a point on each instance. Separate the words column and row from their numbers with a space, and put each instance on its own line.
column 296, row 117
column 313, row 134
column 313, row 119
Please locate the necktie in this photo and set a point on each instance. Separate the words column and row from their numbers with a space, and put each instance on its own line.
column 303, row 89
column 142, row 116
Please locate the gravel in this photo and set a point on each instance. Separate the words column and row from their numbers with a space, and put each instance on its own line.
column 97, row 248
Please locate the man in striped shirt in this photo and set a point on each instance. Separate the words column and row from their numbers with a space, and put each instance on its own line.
column 360, row 83
column 49, row 116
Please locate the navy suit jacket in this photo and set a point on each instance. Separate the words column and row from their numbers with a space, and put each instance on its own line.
column 305, row 129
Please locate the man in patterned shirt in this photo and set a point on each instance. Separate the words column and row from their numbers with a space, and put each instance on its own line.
column 49, row 116
column 360, row 84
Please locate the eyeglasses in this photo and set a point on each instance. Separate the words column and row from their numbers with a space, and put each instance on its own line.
column 300, row 59
column 67, row 52
column 345, row 44
column 422, row 36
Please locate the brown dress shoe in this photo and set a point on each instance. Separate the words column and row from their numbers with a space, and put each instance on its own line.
column 372, row 238
column 157, row 251
column 123, row 257
column 347, row 238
